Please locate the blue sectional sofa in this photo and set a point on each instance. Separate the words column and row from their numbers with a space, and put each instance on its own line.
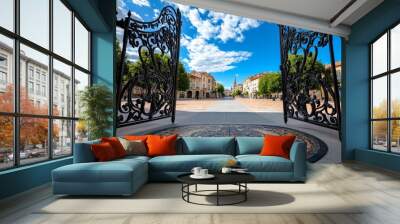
column 125, row 176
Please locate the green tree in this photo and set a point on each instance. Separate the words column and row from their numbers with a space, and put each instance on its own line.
column 270, row 83
column 96, row 102
column 134, row 68
column 220, row 89
column 236, row 92
column 183, row 78
column 296, row 62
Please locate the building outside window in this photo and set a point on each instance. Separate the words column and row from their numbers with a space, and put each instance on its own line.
column 57, row 126
column 385, row 94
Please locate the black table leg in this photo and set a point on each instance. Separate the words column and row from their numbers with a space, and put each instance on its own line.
column 217, row 194
column 195, row 188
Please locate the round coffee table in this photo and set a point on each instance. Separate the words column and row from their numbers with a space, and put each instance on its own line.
column 238, row 179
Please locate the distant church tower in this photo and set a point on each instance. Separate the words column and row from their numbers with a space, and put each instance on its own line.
column 234, row 84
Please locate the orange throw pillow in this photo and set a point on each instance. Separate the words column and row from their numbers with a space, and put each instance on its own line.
column 116, row 145
column 277, row 145
column 161, row 145
column 103, row 152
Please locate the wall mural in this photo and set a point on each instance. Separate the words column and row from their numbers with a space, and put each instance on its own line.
column 147, row 92
column 301, row 77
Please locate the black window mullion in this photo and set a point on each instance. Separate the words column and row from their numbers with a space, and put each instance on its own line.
column 389, row 100
column 50, row 87
column 73, row 82
column 16, row 85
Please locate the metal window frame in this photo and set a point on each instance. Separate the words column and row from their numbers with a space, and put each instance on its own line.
column 388, row 74
column 16, row 115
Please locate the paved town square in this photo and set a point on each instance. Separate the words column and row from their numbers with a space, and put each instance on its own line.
column 242, row 111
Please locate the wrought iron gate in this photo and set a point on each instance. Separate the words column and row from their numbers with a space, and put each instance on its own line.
column 148, row 92
column 300, row 78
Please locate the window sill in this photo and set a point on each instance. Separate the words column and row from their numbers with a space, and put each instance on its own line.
column 30, row 166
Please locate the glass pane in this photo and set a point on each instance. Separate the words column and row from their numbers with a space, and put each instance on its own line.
column 6, row 142
column 81, row 131
column 379, row 97
column 81, row 45
column 395, row 47
column 379, row 55
column 379, row 135
column 7, row 14
column 62, row 89
column 35, row 21
column 81, row 81
column 62, row 29
column 33, row 139
column 395, row 94
column 6, row 74
column 62, row 138
column 395, row 136
column 34, row 97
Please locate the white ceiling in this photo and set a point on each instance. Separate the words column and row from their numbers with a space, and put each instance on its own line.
column 317, row 15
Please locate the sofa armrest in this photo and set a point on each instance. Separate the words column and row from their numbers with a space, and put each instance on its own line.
column 298, row 157
column 83, row 152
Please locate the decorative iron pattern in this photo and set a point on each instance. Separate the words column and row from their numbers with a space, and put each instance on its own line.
column 150, row 92
column 298, row 80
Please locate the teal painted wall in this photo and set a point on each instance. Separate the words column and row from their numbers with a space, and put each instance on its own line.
column 356, row 84
column 27, row 177
column 103, row 62
column 99, row 16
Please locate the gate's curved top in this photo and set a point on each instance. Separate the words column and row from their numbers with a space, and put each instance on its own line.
column 146, row 89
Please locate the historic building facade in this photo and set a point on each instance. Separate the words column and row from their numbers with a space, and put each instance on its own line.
column 250, row 85
column 34, row 82
column 202, row 85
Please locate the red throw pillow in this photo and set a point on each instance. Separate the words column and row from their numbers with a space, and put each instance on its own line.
column 103, row 152
column 161, row 145
column 277, row 145
column 116, row 145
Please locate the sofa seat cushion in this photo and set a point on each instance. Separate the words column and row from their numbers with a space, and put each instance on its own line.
column 113, row 171
column 185, row 163
column 257, row 163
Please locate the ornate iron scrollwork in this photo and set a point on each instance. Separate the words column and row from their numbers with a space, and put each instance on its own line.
column 300, row 77
column 149, row 92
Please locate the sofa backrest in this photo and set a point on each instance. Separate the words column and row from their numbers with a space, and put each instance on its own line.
column 206, row 145
column 249, row 145
column 83, row 153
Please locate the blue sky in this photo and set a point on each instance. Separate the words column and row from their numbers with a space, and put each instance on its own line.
column 221, row 44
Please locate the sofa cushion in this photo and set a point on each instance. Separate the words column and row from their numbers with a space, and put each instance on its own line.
column 185, row 163
column 112, row 171
column 249, row 145
column 134, row 147
column 103, row 152
column 161, row 145
column 257, row 163
column 277, row 145
column 207, row 145
column 116, row 145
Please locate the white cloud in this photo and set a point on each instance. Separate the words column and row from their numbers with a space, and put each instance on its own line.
column 204, row 56
column 141, row 2
column 217, row 25
column 156, row 12
column 122, row 11
column 232, row 27
column 204, row 28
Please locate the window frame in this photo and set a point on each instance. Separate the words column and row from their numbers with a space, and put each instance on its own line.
column 388, row 74
column 16, row 115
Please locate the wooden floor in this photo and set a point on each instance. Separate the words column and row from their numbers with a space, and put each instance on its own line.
column 379, row 190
